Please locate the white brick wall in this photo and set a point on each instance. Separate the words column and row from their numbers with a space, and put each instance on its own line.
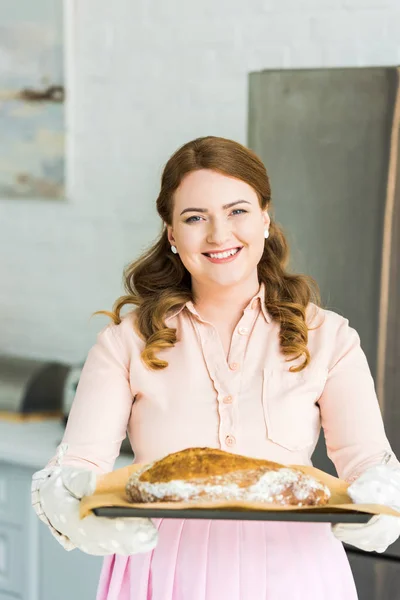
column 144, row 77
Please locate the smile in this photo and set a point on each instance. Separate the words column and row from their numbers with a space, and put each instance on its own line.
column 219, row 257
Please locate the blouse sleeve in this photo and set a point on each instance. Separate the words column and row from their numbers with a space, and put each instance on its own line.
column 101, row 408
column 350, row 413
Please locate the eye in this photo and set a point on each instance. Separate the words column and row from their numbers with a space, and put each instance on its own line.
column 197, row 218
column 193, row 219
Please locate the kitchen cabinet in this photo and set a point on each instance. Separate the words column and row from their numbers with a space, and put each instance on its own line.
column 65, row 575
column 33, row 565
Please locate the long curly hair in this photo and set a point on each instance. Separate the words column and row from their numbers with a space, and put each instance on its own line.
column 157, row 282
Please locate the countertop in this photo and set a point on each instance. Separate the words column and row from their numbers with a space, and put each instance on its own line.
column 32, row 444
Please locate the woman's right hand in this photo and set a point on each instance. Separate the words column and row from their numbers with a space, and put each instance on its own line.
column 56, row 494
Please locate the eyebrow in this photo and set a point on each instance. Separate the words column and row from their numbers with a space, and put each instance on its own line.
column 204, row 210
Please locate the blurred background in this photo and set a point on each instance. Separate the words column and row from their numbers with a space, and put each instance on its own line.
column 94, row 98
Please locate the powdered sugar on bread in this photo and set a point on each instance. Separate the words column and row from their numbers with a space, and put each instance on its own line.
column 262, row 481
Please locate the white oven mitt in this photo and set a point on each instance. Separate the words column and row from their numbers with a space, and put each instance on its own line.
column 377, row 485
column 56, row 493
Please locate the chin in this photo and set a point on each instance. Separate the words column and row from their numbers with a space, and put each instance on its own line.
column 229, row 280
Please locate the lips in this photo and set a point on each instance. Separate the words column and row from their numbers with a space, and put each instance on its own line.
column 223, row 251
column 224, row 259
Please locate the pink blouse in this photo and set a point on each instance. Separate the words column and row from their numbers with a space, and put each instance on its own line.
column 250, row 404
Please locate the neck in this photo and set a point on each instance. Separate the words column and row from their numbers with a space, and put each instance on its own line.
column 224, row 301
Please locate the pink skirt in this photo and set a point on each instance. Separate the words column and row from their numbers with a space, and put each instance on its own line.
column 233, row 560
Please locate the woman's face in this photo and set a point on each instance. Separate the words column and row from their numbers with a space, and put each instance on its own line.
column 218, row 228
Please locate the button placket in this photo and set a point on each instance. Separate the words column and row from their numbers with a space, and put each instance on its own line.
column 220, row 376
column 240, row 340
column 226, row 377
column 228, row 384
column 230, row 441
column 230, row 410
column 234, row 378
column 239, row 344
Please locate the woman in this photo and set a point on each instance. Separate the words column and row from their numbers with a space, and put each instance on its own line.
column 224, row 349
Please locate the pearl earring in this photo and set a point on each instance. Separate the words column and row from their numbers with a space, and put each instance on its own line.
column 266, row 234
column 174, row 250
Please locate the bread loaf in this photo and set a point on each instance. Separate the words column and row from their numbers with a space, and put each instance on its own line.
column 208, row 474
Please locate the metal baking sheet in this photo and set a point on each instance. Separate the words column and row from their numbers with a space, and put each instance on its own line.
column 239, row 515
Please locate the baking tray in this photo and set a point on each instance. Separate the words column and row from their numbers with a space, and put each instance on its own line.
column 310, row 516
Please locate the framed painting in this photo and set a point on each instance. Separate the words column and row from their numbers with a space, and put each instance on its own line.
column 32, row 155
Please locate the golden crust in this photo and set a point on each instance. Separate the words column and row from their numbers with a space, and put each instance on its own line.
column 203, row 474
column 196, row 463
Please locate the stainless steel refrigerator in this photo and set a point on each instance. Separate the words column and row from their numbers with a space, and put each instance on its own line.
column 330, row 141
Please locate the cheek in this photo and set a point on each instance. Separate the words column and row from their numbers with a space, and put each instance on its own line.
column 190, row 240
column 251, row 231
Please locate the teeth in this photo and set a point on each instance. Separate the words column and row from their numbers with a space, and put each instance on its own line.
column 225, row 254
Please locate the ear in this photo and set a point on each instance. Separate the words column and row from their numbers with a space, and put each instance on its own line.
column 170, row 235
column 267, row 219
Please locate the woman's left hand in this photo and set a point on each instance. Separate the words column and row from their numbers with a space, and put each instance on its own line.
column 378, row 485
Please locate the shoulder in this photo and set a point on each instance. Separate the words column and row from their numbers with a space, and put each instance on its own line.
column 324, row 319
column 330, row 333
column 123, row 335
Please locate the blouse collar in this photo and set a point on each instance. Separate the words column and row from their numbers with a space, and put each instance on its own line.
column 257, row 300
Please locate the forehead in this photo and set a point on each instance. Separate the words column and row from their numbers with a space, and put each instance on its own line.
column 206, row 188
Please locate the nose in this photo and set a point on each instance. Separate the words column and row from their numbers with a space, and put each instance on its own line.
column 219, row 232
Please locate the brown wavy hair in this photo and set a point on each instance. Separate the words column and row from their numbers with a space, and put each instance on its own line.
column 158, row 283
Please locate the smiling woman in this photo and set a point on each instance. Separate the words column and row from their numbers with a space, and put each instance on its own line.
column 202, row 362
column 218, row 240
